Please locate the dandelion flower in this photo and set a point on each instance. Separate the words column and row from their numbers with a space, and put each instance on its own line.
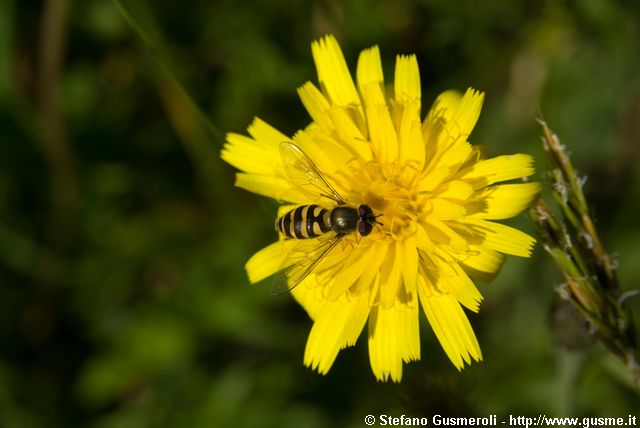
column 438, row 197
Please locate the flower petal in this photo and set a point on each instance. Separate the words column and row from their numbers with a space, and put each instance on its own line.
column 382, row 133
column 455, row 189
column 393, row 338
column 350, row 132
column 504, row 201
column 246, row 154
column 353, row 328
column 460, row 114
column 410, row 143
column 309, row 295
column 333, row 73
column 316, row 104
column 407, row 81
column 271, row 186
column 440, row 232
column 384, row 354
column 327, row 154
column 409, row 255
column 354, row 264
column 495, row 236
column 445, row 163
column 369, row 70
column 446, row 105
column 390, row 275
column 338, row 324
column 432, row 179
column 455, row 155
column 260, row 154
column 422, row 239
column 451, row 326
column 467, row 113
column 266, row 262
column 483, row 263
column 449, row 278
column 500, row 168
column 409, row 328
column 445, row 210
column 377, row 258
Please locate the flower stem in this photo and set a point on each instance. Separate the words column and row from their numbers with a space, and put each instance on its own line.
column 572, row 241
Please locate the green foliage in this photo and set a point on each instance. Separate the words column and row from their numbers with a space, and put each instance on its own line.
column 123, row 297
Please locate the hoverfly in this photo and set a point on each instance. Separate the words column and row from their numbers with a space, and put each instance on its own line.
column 307, row 222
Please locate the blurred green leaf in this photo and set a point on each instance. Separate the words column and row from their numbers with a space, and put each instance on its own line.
column 153, row 322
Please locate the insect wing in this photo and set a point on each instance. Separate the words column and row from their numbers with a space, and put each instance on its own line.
column 303, row 173
column 300, row 262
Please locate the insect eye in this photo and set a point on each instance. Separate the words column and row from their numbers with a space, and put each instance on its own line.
column 364, row 211
column 364, row 228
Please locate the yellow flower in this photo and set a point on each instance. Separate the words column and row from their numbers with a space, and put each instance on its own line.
column 437, row 196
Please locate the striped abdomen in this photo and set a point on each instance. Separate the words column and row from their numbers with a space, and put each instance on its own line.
column 304, row 222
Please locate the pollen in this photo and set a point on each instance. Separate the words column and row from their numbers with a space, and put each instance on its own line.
column 391, row 191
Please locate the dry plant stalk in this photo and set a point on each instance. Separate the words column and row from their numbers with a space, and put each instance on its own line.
column 572, row 242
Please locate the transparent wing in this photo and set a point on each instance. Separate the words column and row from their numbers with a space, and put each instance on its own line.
column 302, row 172
column 300, row 262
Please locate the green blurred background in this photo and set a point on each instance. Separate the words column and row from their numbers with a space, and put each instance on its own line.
column 123, row 296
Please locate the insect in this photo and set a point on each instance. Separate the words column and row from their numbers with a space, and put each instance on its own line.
column 307, row 222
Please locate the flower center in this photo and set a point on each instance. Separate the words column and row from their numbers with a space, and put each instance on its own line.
column 390, row 190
